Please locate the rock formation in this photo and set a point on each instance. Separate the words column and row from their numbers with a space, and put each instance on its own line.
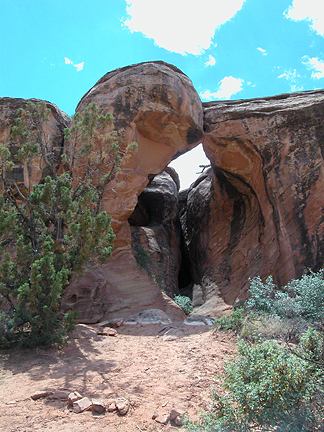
column 155, row 105
column 265, row 211
column 257, row 211
column 156, row 231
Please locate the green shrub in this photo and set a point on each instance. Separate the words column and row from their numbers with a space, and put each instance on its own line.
column 265, row 386
column 302, row 297
column 184, row 302
column 232, row 322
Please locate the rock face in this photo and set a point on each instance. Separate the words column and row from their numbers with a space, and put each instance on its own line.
column 155, row 105
column 156, row 231
column 259, row 210
column 263, row 202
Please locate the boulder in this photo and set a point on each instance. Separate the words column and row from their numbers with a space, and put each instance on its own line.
column 163, row 419
column 98, row 406
column 74, row 397
column 41, row 394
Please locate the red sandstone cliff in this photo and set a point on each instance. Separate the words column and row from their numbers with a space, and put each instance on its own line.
column 259, row 210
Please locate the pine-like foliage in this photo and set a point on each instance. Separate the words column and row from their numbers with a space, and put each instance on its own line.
column 49, row 231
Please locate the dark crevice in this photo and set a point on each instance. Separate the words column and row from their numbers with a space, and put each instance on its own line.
column 145, row 214
column 185, row 280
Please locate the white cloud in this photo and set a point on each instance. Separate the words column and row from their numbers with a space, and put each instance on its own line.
column 178, row 25
column 263, row 51
column 78, row 66
column 291, row 75
column 228, row 86
column 316, row 64
column 211, row 61
column 310, row 10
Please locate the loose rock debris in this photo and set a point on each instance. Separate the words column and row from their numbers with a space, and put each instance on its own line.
column 137, row 365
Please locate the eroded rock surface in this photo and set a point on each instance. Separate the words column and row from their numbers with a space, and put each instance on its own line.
column 156, row 231
column 156, row 105
column 264, row 214
column 257, row 211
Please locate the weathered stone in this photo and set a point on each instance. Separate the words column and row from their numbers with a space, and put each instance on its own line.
column 122, row 406
column 155, row 415
column 198, row 320
column 111, row 407
column 178, row 421
column 60, row 394
column 156, row 236
column 98, row 406
column 163, row 419
column 107, row 332
column 114, row 323
column 156, row 105
column 41, row 394
column 73, row 397
column 150, row 316
column 176, row 412
column 81, row 405
column 259, row 209
column 36, row 169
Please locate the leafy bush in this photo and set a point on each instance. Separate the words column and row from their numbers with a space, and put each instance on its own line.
column 184, row 302
column 299, row 298
column 265, row 386
column 232, row 322
column 268, row 386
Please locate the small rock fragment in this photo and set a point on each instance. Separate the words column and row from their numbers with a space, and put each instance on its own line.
column 155, row 415
column 163, row 419
column 41, row 394
column 122, row 406
column 176, row 412
column 60, row 394
column 107, row 332
column 111, row 407
column 98, row 406
column 73, row 397
column 82, row 405
column 178, row 421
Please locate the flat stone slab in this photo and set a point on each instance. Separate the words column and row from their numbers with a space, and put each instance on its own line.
column 198, row 320
column 149, row 316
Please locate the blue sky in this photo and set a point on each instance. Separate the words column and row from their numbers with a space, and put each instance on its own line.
column 231, row 49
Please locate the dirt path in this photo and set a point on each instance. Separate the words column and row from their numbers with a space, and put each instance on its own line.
column 154, row 372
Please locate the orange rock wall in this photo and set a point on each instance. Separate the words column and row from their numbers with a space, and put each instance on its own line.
column 266, row 215
column 257, row 211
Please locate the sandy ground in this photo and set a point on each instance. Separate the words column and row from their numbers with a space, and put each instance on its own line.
column 155, row 368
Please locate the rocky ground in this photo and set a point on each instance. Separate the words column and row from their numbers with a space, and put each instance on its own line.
column 152, row 368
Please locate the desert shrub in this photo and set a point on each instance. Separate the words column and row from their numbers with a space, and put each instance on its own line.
column 265, row 386
column 302, row 297
column 232, row 322
column 184, row 302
